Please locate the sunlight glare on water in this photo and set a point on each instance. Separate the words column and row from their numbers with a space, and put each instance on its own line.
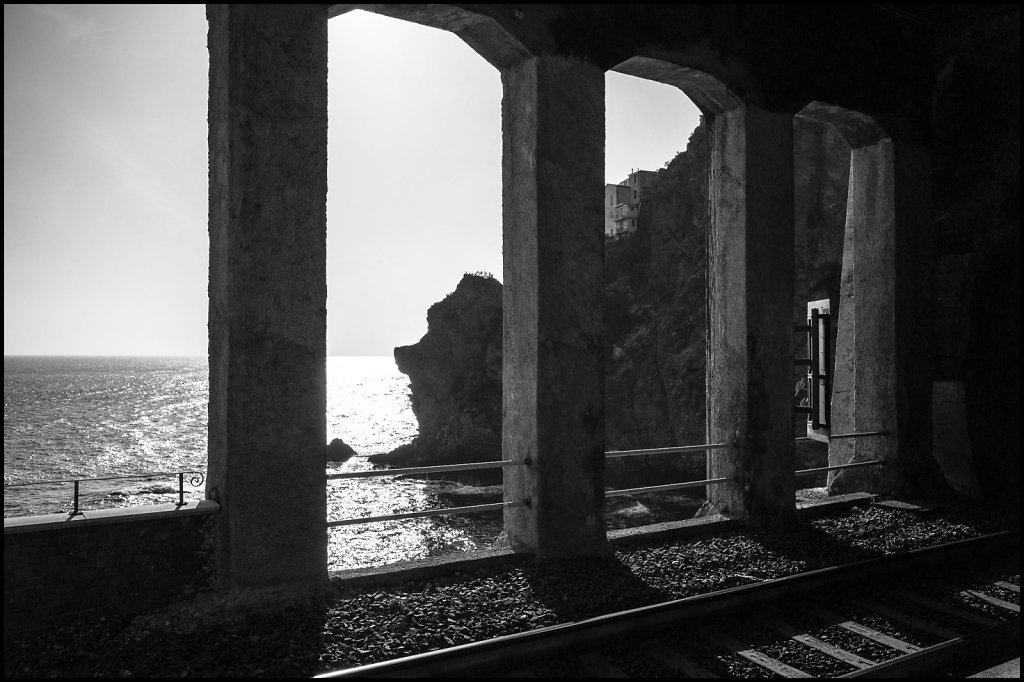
column 79, row 418
column 368, row 407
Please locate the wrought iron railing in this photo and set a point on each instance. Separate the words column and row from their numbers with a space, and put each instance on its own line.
column 196, row 479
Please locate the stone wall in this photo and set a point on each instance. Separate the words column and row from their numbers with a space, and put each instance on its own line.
column 103, row 563
column 976, row 225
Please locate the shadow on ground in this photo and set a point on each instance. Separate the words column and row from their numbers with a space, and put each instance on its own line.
column 191, row 640
column 579, row 588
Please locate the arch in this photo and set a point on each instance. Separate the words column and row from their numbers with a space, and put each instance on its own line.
column 390, row 135
column 710, row 94
column 485, row 35
column 857, row 129
column 551, row 138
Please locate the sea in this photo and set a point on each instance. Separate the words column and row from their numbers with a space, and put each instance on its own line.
column 108, row 418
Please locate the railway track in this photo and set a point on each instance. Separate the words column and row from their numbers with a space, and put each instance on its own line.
column 946, row 611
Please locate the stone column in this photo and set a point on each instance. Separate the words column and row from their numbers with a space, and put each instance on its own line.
column 553, row 244
column 268, row 293
column 750, row 314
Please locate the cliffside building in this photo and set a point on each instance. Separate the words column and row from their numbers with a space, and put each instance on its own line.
column 622, row 203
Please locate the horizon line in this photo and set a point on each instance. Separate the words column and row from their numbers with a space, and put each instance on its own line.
column 166, row 355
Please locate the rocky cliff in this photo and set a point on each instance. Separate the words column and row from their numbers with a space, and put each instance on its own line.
column 455, row 380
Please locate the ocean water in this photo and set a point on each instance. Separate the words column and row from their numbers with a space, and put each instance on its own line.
column 100, row 417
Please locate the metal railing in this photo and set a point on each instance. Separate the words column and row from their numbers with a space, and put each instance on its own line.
column 666, row 451
column 439, row 469
column 837, row 467
column 664, row 487
column 721, row 446
column 196, row 479
column 473, row 509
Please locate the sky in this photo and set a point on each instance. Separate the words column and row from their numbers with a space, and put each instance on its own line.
column 105, row 176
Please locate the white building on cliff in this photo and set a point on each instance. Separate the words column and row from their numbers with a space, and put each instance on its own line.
column 622, row 203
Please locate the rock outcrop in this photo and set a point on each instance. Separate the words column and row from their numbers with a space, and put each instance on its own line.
column 455, row 381
column 339, row 451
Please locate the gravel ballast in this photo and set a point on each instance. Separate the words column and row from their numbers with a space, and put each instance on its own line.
column 218, row 636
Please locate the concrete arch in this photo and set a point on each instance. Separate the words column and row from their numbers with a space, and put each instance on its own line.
column 709, row 93
column 857, row 129
column 485, row 35
column 552, row 140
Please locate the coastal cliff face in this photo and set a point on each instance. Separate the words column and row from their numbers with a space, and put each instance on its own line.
column 455, row 379
column 655, row 313
column 655, row 310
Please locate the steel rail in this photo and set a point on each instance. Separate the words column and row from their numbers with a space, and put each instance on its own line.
column 438, row 469
column 158, row 474
column 608, row 493
column 666, row 451
column 543, row 642
column 472, row 509
column 836, row 467
column 722, row 446
column 855, row 434
column 667, row 486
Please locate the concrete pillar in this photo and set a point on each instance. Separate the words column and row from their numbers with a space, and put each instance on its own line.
column 750, row 314
column 864, row 379
column 882, row 378
column 553, row 247
column 268, row 293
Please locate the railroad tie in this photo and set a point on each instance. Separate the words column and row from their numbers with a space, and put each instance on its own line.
column 865, row 631
column 957, row 611
column 994, row 601
column 793, row 633
column 982, row 596
column 754, row 655
column 911, row 621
